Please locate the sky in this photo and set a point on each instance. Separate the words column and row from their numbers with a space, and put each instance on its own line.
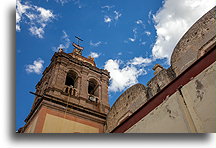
column 126, row 37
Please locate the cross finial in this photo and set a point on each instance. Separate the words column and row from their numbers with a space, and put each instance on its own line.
column 78, row 40
column 78, row 49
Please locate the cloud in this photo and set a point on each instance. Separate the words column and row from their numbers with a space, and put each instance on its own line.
column 131, row 39
column 45, row 15
column 134, row 35
column 37, row 31
column 78, row 3
column 75, row 2
column 143, row 43
column 117, row 15
column 62, row 1
column 173, row 20
column 139, row 22
column 137, row 30
column 147, row 33
column 65, row 39
column 36, row 17
column 94, row 55
column 36, row 67
column 110, row 16
column 120, row 53
column 149, row 17
column 107, row 7
column 140, row 61
column 20, row 10
column 95, row 44
column 125, row 77
column 107, row 19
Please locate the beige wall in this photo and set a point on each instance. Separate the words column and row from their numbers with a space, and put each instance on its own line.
column 199, row 95
column 191, row 111
column 55, row 124
column 166, row 118
column 32, row 126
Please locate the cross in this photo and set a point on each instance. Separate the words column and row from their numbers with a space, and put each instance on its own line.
column 78, row 39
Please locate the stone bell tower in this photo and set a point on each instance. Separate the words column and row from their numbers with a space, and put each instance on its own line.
column 71, row 97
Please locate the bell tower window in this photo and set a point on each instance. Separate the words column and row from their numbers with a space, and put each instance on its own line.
column 93, row 87
column 93, row 91
column 71, row 79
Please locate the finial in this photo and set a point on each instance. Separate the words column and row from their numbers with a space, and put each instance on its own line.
column 78, row 49
column 60, row 50
column 78, row 40
column 157, row 68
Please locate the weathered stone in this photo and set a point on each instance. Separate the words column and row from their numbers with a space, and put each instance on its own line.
column 197, row 40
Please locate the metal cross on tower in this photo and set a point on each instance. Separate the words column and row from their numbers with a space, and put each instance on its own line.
column 78, row 49
column 78, row 39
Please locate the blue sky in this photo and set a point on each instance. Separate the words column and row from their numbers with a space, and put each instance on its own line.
column 127, row 37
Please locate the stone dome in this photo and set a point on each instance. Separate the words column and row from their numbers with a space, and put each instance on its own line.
column 195, row 42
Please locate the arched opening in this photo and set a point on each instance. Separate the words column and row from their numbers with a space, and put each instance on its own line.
column 71, row 79
column 93, row 87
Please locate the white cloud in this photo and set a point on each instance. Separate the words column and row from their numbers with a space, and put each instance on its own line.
column 20, row 9
column 37, row 31
column 36, row 67
column 120, row 53
column 94, row 55
column 138, row 30
column 65, row 42
column 36, row 17
column 149, row 17
column 117, row 15
column 122, row 78
column 132, row 39
column 139, row 22
column 134, row 35
column 45, row 15
column 107, row 19
column 173, row 20
column 78, row 3
column 110, row 16
column 147, row 33
column 108, row 7
column 143, row 43
column 140, row 61
column 95, row 44
column 62, row 1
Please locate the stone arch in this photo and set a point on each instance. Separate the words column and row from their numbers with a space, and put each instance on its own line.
column 93, row 87
column 73, row 69
column 72, row 78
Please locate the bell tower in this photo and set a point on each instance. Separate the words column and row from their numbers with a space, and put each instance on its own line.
column 71, row 97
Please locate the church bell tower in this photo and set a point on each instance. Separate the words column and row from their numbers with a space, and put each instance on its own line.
column 71, row 97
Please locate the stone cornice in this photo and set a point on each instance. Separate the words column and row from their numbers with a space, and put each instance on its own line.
column 64, row 103
column 81, row 63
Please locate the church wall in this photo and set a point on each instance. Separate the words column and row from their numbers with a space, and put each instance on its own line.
column 190, row 109
column 31, row 126
column 54, row 121
column 199, row 95
column 59, row 122
column 166, row 118
column 55, row 124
